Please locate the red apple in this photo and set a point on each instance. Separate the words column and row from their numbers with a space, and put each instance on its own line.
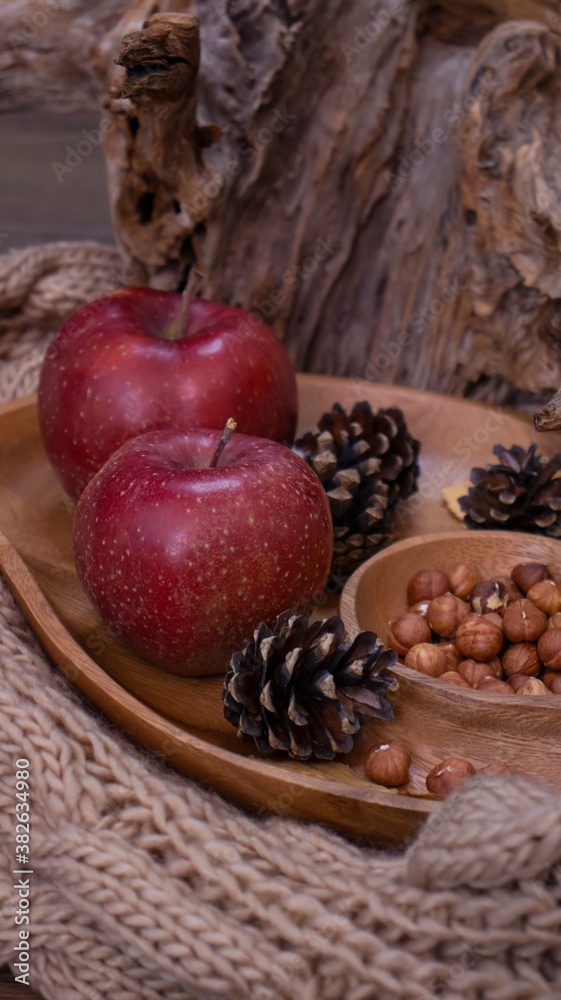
column 114, row 372
column 185, row 560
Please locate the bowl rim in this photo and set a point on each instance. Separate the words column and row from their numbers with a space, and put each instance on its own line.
column 347, row 607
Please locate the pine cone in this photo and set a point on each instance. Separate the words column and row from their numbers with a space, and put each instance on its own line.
column 367, row 463
column 307, row 689
column 521, row 493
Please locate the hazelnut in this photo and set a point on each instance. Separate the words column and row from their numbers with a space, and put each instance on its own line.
column 517, row 681
column 525, row 575
column 452, row 654
column 474, row 617
column 514, row 593
column 388, row 764
column 498, row 768
column 523, row 622
column 427, row 659
column 463, row 580
column 421, row 608
column 426, row 584
column 472, row 671
column 546, row 596
column 490, row 595
column 551, row 681
column 493, row 685
column 478, row 639
column 554, row 621
column 494, row 666
column 492, row 616
column 445, row 614
column 549, row 648
column 448, row 775
column 522, row 658
column 407, row 630
column 452, row 677
column 533, row 686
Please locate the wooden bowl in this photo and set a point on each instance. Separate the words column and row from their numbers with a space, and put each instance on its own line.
column 437, row 719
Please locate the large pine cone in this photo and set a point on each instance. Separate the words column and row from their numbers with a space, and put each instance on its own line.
column 307, row 689
column 521, row 493
column 367, row 463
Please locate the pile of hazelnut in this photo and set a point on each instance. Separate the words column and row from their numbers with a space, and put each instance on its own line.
column 501, row 635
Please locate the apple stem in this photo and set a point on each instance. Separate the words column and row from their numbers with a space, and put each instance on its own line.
column 226, row 435
column 192, row 288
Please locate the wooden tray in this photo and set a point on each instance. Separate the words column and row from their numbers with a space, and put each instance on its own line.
column 181, row 718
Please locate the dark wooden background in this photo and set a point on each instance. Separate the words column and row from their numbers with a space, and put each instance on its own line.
column 10, row 990
column 36, row 207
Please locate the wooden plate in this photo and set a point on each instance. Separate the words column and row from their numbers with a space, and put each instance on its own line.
column 181, row 719
column 436, row 719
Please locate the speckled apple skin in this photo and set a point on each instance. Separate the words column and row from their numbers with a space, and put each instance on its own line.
column 185, row 561
column 109, row 375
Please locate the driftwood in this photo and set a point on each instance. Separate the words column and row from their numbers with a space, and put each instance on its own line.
column 154, row 149
column 47, row 53
column 376, row 179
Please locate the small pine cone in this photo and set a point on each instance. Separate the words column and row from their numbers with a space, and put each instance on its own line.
column 307, row 689
column 520, row 493
column 367, row 463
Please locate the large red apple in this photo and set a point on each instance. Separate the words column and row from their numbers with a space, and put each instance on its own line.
column 185, row 560
column 116, row 369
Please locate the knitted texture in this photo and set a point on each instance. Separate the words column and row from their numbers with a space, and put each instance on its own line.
column 39, row 288
column 146, row 887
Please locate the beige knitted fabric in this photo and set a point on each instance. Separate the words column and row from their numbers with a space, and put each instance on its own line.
column 39, row 288
column 146, row 887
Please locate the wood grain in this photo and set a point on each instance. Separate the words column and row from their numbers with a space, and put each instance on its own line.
column 180, row 719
